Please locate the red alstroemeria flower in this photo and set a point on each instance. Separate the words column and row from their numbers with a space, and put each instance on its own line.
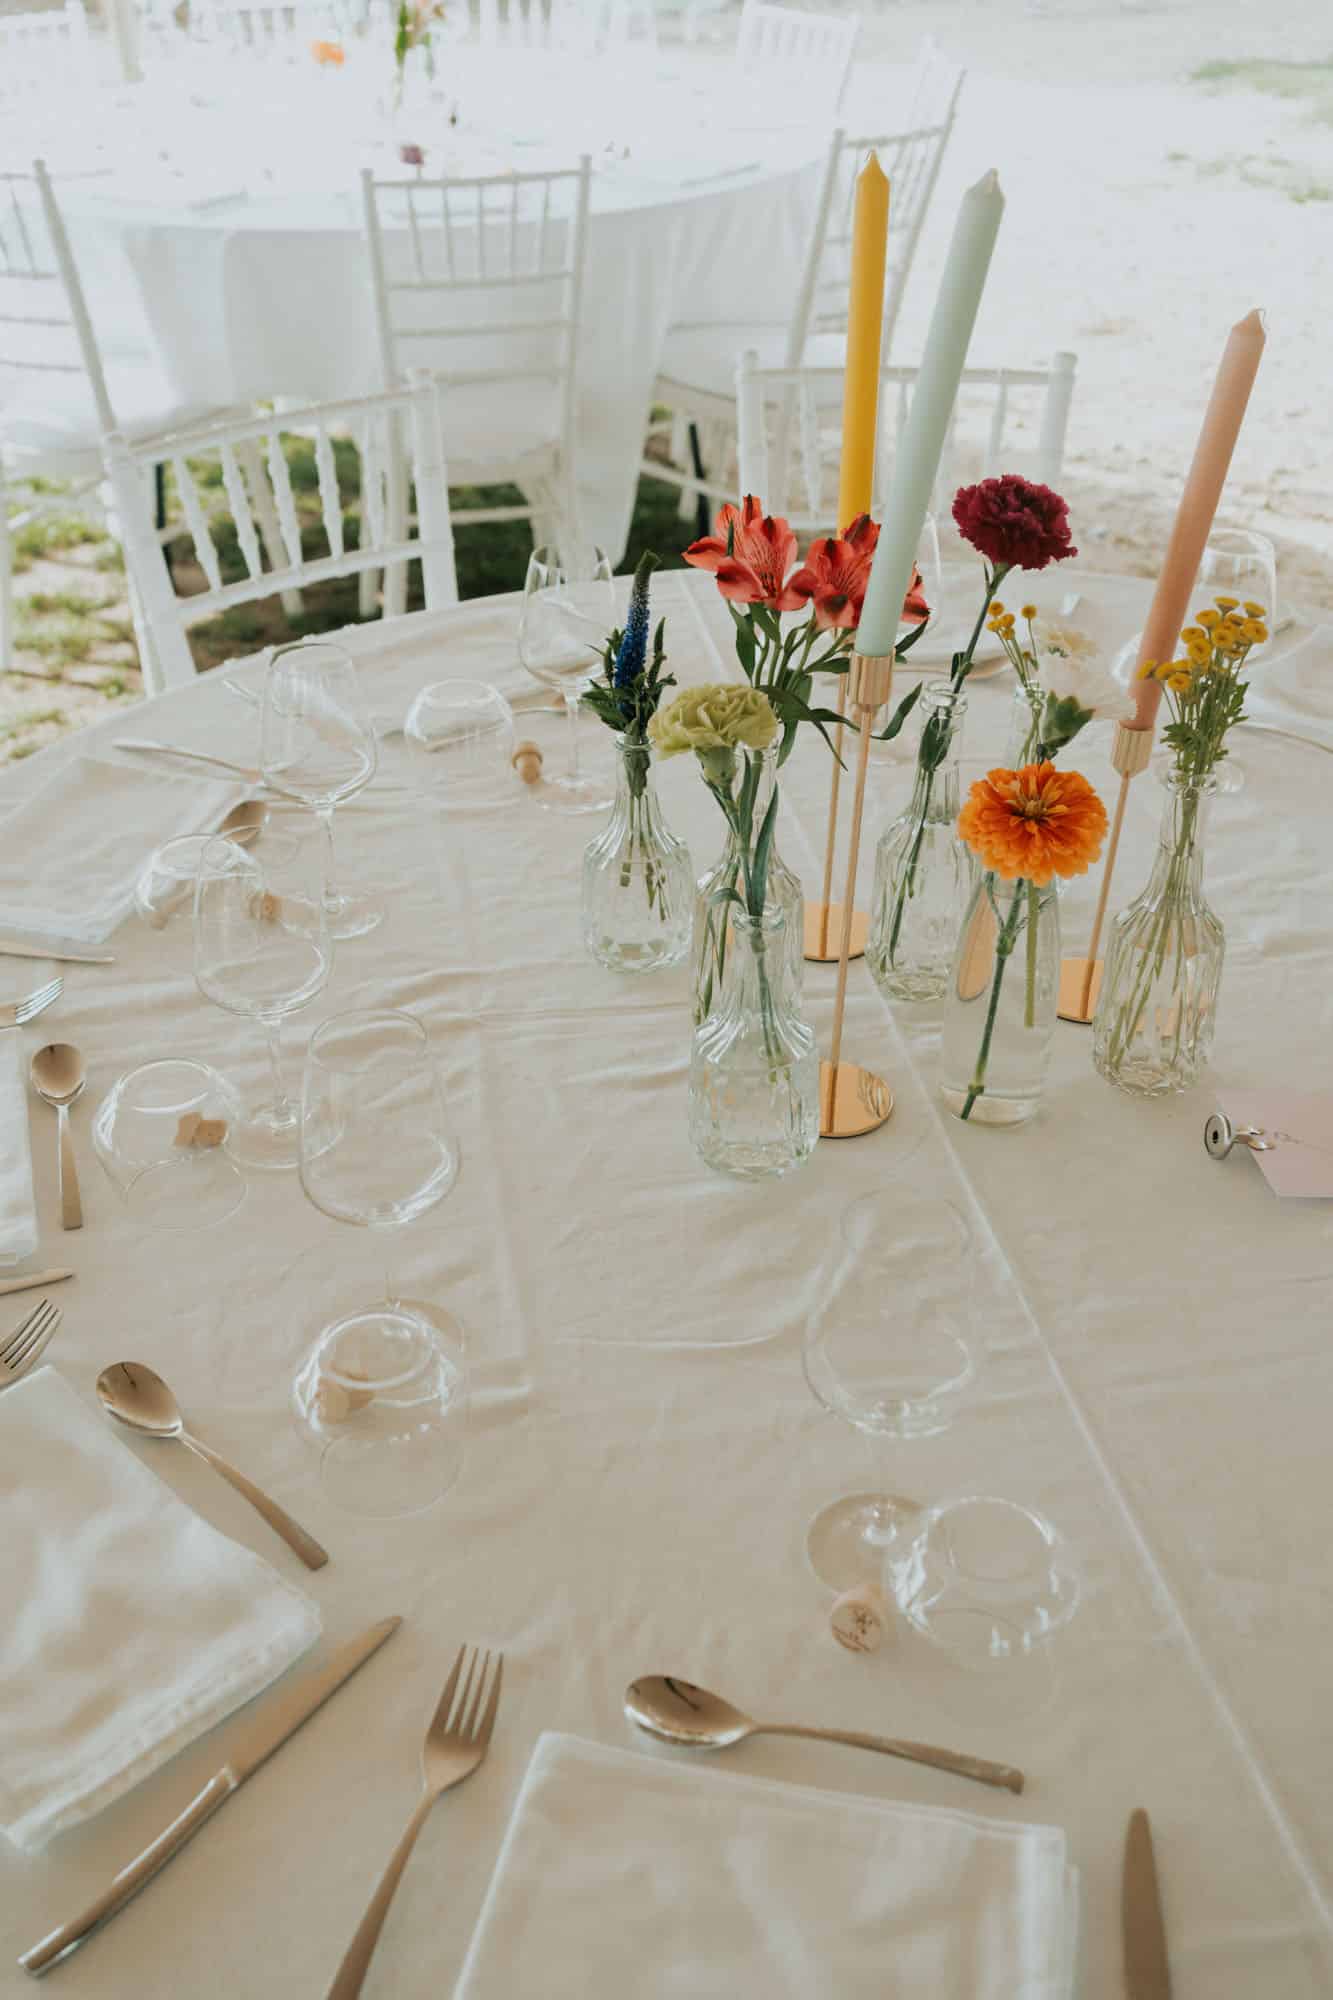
column 754, row 569
column 835, row 573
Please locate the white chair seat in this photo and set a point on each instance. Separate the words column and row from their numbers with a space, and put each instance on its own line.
column 703, row 358
column 59, row 418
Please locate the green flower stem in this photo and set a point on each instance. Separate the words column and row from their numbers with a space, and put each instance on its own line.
column 1030, row 991
column 1004, row 945
column 1165, row 923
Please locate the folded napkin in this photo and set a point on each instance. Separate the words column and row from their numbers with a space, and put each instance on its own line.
column 70, row 856
column 130, row 1626
column 628, row 1874
column 18, row 1213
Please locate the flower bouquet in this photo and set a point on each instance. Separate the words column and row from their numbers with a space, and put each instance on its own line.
column 1156, row 1012
column 414, row 27
column 638, row 886
column 1013, row 524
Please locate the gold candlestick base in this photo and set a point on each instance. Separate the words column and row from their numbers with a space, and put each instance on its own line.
column 857, row 1101
column 1073, row 979
column 823, row 930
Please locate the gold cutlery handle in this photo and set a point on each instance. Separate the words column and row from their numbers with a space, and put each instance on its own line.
column 351, row 1974
column 295, row 1536
column 71, row 1203
column 1004, row 1776
column 130, row 1880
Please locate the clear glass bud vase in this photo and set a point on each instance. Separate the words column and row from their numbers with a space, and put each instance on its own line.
column 1153, row 1027
column 754, row 1069
column 922, row 870
column 1000, row 1010
column 1025, row 715
column 713, row 910
column 638, row 885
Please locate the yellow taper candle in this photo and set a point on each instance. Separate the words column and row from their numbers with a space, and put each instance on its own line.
column 865, row 325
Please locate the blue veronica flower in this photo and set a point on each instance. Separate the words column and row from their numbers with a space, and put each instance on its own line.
column 632, row 656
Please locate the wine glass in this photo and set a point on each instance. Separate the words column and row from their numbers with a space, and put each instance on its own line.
column 460, row 735
column 568, row 610
column 382, row 1395
column 261, row 949
column 317, row 744
column 887, row 1349
column 1240, row 563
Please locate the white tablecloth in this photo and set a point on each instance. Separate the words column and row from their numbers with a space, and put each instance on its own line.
column 241, row 266
column 1158, row 1380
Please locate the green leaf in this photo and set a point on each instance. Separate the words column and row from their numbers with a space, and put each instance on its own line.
column 900, row 715
column 904, row 646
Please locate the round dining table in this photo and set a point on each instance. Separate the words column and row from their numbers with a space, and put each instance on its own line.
column 216, row 219
column 644, row 1453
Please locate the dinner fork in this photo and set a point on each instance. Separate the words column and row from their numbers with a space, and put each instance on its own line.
column 34, row 1004
column 456, row 1742
column 27, row 1343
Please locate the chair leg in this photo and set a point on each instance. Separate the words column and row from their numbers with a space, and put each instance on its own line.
column 702, row 520
column 266, row 514
column 397, row 508
column 160, row 510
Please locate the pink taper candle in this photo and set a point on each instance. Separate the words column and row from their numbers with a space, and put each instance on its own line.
column 1198, row 505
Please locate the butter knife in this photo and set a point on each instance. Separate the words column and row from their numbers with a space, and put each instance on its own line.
column 254, row 1745
column 79, row 955
column 1147, row 1973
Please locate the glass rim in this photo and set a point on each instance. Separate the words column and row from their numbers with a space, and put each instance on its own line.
column 311, row 644
column 362, row 1017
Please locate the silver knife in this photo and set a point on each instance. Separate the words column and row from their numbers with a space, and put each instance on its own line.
column 10, row 948
column 1147, row 1973
column 254, row 1745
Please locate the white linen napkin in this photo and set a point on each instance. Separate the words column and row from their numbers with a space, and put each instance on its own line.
column 130, row 1626
column 18, row 1211
column 628, row 1874
column 70, row 855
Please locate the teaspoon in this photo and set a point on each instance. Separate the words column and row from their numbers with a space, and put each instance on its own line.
column 679, row 1712
column 136, row 1396
column 58, row 1075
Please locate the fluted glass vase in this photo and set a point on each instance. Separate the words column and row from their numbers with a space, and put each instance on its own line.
column 922, row 869
column 638, row 885
column 1000, row 1009
column 1153, row 1028
column 713, row 907
column 754, row 1069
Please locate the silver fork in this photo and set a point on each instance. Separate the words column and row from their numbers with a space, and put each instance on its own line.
column 27, row 1343
column 456, row 1742
column 34, row 1004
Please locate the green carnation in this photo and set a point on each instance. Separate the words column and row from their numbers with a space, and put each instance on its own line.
column 714, row 716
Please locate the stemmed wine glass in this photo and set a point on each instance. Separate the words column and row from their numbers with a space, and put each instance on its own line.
column 887, row 1349
column 317, row 744
column 382, row 1395
column 568, row 609
column 261, row 949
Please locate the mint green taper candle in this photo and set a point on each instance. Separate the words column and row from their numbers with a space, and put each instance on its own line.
column 918, row 457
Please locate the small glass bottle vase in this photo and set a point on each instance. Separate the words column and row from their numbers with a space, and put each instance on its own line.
column 1000, row 1009
column 754, row 1069
column 1153, row 1027
column 713, row 908
column 922, row 869
column 638, row 885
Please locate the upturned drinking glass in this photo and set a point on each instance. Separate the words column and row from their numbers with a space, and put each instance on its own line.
column 922, row 869
column 754, row 1070
column 638, row 885
column 713, row 906
column 1153, row 1028
column 1000, row 1007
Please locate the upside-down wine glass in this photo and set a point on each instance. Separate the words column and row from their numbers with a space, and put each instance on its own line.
column 887, row 1349
column 382, row 1395
column 568, row 609
column 261, row 949
column 317, row 744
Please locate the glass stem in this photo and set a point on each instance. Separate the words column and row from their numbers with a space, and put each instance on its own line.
column 572, row 701
column 330, row 893
column 282, row 1104
column 881, row 1474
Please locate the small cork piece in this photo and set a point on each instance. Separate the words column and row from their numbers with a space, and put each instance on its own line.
column 859, row 1619
column 527, row 761
column 334, row 1403
column 187, row 1128
column 267, row 907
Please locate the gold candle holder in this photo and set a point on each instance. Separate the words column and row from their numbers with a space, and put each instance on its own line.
column 1081, row 978
column 853, row 1100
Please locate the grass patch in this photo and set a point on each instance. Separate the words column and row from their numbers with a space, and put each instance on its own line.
column 1308, row 82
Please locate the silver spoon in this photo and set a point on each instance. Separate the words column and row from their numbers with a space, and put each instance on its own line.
column 136, row 1396
column 58, row 1075
column 680, row 1712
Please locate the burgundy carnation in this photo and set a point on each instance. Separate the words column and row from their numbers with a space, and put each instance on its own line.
column 1015, row 524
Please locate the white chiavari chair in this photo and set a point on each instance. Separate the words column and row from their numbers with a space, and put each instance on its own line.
column 373, row 423
column 789, row 431
column 45, row 51
column 481, row 281
column 801, row 55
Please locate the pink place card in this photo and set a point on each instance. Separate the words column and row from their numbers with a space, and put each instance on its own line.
column 1299, row 1125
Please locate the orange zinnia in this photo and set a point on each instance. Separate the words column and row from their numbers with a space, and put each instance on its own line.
column 1034, row 823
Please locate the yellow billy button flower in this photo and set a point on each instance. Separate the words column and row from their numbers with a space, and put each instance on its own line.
column 1227, row 603
column 1148, row 671
column 1029, row 611
column 1208, row 619
column 1255, row 631
column 1253, row 610
column 1192, row 632
column 996, row 608
column 1181, row 681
